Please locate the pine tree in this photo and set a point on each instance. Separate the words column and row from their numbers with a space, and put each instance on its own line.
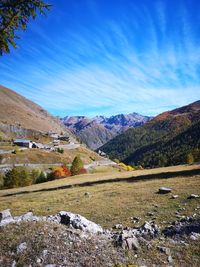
column 77, row 165
column 14, row 16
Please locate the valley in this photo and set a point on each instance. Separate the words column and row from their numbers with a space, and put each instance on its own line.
column 118, row 187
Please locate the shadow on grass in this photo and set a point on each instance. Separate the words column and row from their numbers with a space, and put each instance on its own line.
column 131, row 179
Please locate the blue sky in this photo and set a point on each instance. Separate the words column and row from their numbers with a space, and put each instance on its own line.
column 105, row 57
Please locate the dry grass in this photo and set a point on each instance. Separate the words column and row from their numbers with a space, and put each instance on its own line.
column 36, row 156
column 111, row 202
column 101, row 177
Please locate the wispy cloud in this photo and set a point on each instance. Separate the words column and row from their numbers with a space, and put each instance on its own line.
column 146, row 62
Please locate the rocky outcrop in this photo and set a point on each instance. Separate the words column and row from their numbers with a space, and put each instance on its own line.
column 72, row 220
column 79, row 222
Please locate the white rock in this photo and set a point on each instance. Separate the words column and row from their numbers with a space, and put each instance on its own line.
column 5, row 217
column 193, row 196
column 21, row 247
column 164, row 190
column 195, row 236
column 79, row 222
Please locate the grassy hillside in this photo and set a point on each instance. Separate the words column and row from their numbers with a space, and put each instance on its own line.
column 114, row 197
column 133, row 145
column 18, row 111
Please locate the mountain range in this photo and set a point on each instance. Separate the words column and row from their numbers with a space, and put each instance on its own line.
column 97, row 131
column 167, row 139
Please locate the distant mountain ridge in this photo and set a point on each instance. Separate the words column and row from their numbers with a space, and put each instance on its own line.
column 165, row 140
column 98, row 130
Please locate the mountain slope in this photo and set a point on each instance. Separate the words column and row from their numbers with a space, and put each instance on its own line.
column 97, row 131
column 18, row 111
column 140, row 144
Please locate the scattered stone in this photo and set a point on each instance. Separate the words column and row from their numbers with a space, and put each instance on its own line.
column 132, row 243
column 118, row 226
column 150, row 214
column 39, row 260
column 192, row 196
column 174, row 196
column 195, row 236
column 79, row 222
column 21, row 247
column 87, row 194
column 135, row 219
column 164, row 190
column 164, row 250
column 169, row 259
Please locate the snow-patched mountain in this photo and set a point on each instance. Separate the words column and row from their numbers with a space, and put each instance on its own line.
column 98, row 130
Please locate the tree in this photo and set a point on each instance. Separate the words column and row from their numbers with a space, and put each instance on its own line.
column 77, row 165
column 41, row 178
column 59, row 173
column 17, row 177
column 14, row 15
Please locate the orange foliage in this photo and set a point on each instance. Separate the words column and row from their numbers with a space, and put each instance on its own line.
column 61, row 172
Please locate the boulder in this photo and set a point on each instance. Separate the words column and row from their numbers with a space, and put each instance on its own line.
column 193, row 196
column 132, row 243
column 164, row 190
column 164, row 250
column 174, row 197
column 79, row 222
column 5, row 217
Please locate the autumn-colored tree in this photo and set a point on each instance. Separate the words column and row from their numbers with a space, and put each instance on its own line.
column 190, row 158
column 14, row 16
column 59, row 173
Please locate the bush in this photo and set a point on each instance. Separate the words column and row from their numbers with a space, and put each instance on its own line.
column 16, row 151
column 42, row 178
column 34, row 175
column 60, row 150
column 83, row 171
column 77, row 165
column 127, row 167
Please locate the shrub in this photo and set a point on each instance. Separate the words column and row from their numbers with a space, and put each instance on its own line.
column 60, row 150
column 77, row 165
column 127, row 167
column 16, row 151
column 41, row 178
column 34, row 175
column 83, row 171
